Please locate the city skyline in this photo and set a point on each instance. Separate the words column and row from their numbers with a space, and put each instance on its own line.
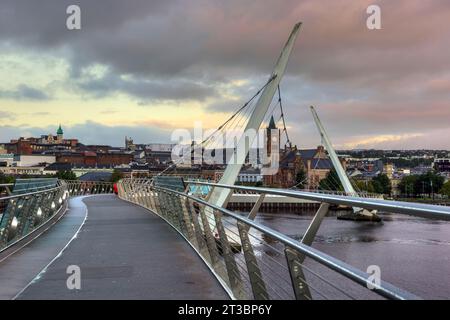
column 120, row 144
column 140, row 71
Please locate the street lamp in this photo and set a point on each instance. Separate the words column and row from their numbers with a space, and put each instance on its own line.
column 432, row 193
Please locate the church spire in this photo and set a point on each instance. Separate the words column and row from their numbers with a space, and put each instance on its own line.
column 272, row 124
column 60, row 134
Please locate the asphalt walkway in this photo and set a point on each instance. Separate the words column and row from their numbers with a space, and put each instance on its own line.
column 124, row 252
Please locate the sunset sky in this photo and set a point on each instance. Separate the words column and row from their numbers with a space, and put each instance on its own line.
column 143, row 68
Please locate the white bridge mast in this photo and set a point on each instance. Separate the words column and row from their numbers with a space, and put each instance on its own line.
column 333, row 156
column 220, row 196
column 337, row 164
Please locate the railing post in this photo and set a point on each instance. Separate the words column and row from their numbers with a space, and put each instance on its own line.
column 164, row 203
column 123, row 190
column 7, row 219
column 32, row 217
column 139, row 196
column 24, row 217
column 47, row 205
column 256, row 280
column 210, row 240
column 152, row 199
column 167, row 205
column 147, row 197
column 233, row 273
column 73, row 188
column 186, row 216
column 39, row 205
column 256, row 206
column 156, row 199
column 179, row 214
column 311, row 232
column 202, row 246
column 20, row 207
column 299, row 285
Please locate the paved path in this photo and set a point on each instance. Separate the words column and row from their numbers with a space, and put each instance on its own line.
column 20, row 264
column 126, row 252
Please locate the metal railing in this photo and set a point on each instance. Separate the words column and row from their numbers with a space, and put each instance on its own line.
column 251, row 260
column 408, row 208
column 5, row 189
column 26, row 211
column 79, row 188
column 362, row 194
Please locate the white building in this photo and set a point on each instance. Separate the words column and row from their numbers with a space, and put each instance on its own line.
column 35, row 170
column 33, row 160
column 6, row 159
column 167, row 147
column 251, row 175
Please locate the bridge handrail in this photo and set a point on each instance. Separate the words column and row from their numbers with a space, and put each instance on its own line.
column 343, row 193
column 6, row 184
column 409, row 208
column 385, row 289
column 20, row 195
column 152, row 197
column 87, row 181
column 21, row 214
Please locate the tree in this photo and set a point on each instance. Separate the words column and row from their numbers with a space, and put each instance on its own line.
column 116, row 175
column 6, row 179
column 445, row 190
column 331, row 182
column 301, row 179
column 382, row 184
column 429, row 183
column 408, row 185
column 66, row 175
column 364, row 185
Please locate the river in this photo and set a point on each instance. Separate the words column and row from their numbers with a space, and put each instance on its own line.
column 412, row 253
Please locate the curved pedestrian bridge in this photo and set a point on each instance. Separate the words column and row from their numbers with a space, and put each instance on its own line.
column 123, row 252
column 77, row 240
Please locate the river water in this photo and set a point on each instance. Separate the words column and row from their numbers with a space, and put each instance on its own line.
column 412, row 253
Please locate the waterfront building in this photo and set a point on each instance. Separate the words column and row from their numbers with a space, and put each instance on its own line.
column 442, row 164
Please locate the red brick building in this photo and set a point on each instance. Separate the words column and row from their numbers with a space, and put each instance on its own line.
column 114, row 158
column 92, row 159
column 21, row 146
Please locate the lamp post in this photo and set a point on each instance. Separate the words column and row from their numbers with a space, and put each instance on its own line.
column 432, row 193
column 423, row 189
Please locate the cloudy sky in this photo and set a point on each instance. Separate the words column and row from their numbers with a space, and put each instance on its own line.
column 143, row 68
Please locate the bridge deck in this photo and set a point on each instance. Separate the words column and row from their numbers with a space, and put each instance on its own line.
column 126, row 252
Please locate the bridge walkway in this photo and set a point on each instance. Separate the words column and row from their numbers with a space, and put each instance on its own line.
column 124, row 252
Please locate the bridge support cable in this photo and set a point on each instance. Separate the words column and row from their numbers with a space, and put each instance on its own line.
column 232, row 124
column 220, row 196
column 288, row 141
column 255, row 116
